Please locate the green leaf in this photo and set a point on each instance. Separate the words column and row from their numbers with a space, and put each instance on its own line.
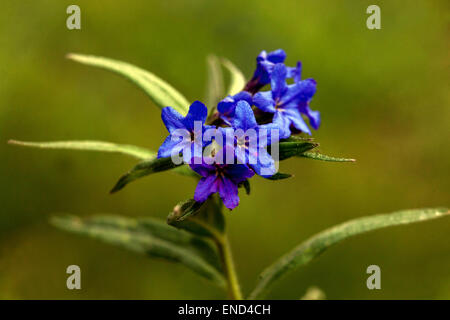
column 215, row 90
column 134, row 151
column 237, row 81
column 288, row 149
column 204, row 219
column 279, row 176
column 314, row 246
column 151, row 237
column 161, row 93
column 319, row 156
column 143, row 169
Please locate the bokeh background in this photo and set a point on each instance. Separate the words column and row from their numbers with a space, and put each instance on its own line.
column 384, row 99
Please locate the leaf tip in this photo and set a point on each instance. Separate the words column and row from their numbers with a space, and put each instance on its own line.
column 12, row 141
column 71, row 56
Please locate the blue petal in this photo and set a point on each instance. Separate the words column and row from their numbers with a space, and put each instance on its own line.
column 206, row 187
column 299, row 93
column 244, row 118
column 264, row 66
column 283, row 123
column 172, row 119
column 263, row 101
column 296, row 119
column 228, row 192
column 269, row 130
column 313, row 116
column 239, row 172
column 278, row 80
column 243, row 95
column 165, row 150
column 295, row 73
column 197, row 112
column 203, row 168
column 226, row 106
column 265, row 166
column 276, row 56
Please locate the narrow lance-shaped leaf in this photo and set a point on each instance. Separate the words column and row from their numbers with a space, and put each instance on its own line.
column 215, row 83
column 279, row 176
column 89, row 145
column 134, row 151
column 310, row 249
column 237, row 79
column 319, row 156
column 288, row 149
column 161, row 93
column 143, row 169
column 151, row 237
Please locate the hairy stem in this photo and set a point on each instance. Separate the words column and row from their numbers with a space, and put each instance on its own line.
column 234, row 290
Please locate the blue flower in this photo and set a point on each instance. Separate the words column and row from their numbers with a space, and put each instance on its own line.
column 288, row 102
column 227, row 106
column 221, row 178
column 295, row 73
column 185, row 132
column 250, row 140
column 265, row 63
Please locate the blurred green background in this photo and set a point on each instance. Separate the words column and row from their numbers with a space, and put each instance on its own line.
column 384, row 99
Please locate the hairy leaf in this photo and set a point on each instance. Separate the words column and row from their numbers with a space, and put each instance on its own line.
column 237, row 81
column 279, row 176
column 161, row 93
column 319, row 156
column 288, row 149
column 313, row 247
column 134, row 151
column 215, row 90
column 143, row 169
column 151, row 237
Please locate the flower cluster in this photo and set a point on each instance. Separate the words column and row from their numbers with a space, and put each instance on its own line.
column 243, row 126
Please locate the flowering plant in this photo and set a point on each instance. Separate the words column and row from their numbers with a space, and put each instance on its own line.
column 243, row 134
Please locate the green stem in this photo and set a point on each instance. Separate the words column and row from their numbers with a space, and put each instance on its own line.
column 234, row 290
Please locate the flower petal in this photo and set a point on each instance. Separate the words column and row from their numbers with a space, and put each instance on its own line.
column 243, row 95
column 244, row 117
column 226, row 106
column 276, row 56
column 205, row 187
column 263, row 101
column 172, row 119
column 283, row 123
column 228, row 192
column 296, row 72
column 197, row 112
column 265, row 166
column 296, row 119
column 278, row 81
column 165, row 150
column 201, row 167
column 313, row 116
column 238, row 172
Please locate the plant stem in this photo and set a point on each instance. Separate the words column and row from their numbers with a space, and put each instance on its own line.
column 234, row 291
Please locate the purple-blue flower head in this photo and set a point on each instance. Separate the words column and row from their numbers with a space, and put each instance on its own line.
column 227, row 106
column 265, row 63
column 250, row 140
column 288, row 102
column 221, row 178
column 176, row 124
